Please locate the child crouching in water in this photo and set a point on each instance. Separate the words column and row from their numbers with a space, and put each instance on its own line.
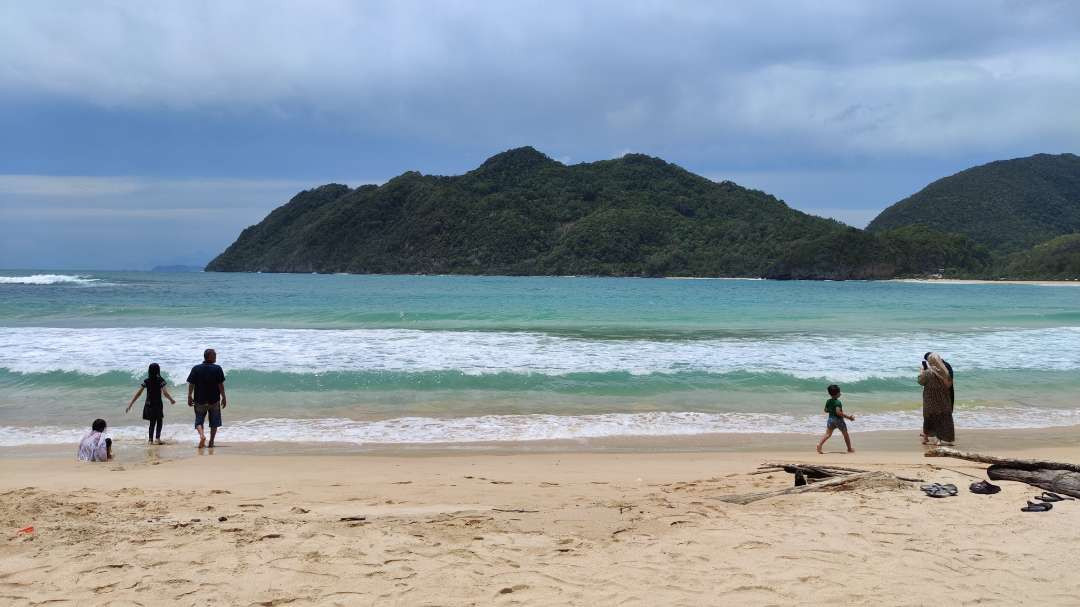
column 835, row 409
column 153, row 409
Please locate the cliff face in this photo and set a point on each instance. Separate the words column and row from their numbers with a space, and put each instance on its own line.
column 521, row 212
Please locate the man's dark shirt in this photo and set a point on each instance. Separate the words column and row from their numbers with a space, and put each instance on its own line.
column 206, row 378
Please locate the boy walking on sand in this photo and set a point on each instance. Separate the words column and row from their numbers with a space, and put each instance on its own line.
column 835, row 409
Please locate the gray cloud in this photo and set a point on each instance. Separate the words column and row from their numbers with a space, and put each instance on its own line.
column 49, row 186
column 839, row 77
column 127, row 222
column 54, row 189
column 840, row 108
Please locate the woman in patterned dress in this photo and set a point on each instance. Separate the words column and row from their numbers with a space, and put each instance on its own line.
column 937, row 401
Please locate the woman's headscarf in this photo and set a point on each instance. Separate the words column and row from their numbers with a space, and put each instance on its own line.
column 937, row 366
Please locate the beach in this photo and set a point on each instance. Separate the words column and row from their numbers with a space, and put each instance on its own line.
column 963, row 281
column 611, row 523
column 450, row 304
column 435, row 440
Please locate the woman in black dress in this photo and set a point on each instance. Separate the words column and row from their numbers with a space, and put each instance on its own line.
column 153, row 409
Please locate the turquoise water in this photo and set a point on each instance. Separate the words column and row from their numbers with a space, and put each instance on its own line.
column 370, row 359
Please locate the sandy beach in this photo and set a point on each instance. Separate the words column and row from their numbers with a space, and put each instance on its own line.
column 962, row 281
column 614, row 524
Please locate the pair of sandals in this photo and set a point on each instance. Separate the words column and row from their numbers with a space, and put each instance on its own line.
column 939, row 490
column 1045, row 502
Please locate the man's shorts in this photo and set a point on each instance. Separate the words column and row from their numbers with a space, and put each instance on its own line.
column 214, row 409
column 834, row 422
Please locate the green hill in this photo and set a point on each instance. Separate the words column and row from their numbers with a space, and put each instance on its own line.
column 521, row 212
column 1007, row 206
column 1055, row 259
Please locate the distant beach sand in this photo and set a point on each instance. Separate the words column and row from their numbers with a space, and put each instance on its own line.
column 952, row 281
column 622, row 524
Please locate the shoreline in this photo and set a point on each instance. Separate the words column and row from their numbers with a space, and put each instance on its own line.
column 79, row 274
column 964, row 281
column 895, row 441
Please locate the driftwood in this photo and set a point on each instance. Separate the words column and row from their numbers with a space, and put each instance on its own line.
column 825, row 467
column 1058, row 477
column 831, row 484
column 961, row 473
column 1019, row 464
column 1064, row 482
column 814, row 472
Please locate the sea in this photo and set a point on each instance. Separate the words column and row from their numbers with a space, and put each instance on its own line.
column 454, row 360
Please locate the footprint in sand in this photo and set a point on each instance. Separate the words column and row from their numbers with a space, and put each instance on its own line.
column 752, row 545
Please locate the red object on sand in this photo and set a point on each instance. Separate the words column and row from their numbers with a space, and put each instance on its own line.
column 26, row 530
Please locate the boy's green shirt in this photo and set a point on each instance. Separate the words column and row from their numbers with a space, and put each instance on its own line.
column 832, row 405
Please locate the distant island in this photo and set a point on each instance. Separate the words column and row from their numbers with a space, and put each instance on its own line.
column 522, row 213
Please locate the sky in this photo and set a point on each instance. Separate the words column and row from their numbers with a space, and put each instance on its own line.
column 135, row 134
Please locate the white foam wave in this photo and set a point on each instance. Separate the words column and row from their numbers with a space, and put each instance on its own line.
column 47, row 279
column 524, row 428
column 838, row 358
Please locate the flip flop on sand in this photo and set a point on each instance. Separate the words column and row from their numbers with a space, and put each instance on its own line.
column 984, row 488
column 939, row 490
column 1033, row 507
column 1050, row 497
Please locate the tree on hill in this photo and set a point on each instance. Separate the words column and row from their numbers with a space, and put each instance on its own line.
column 1007, row 206
column 1058, row 258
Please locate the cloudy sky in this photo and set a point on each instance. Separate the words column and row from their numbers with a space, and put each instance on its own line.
column 144, row 133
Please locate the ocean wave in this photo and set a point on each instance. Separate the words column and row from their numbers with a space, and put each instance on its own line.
column 48, row 279
column 609, row 383
column 844, row 358
column 525, row 428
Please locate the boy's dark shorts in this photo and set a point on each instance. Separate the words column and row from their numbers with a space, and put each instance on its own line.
column 837, row 423
column 214, row 409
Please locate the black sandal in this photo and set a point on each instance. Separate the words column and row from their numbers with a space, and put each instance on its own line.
column 984, row 488
column 1033, row 507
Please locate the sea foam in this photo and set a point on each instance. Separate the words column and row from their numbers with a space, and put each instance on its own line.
column 851, row 357
column 47, row 279
column 539, row 427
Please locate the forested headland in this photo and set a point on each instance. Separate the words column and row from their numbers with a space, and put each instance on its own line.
column 522, row 213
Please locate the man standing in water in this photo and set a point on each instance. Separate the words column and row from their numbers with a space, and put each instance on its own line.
column 206, row 392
